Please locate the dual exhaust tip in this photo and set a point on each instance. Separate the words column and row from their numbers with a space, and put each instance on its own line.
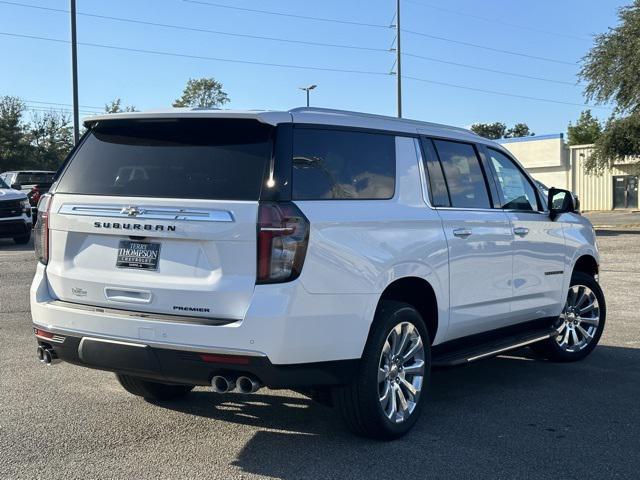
column 47, row 356
column 242, row 384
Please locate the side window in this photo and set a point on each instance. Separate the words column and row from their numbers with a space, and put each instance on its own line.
column 462, row 171
column 437, row 185
column 335, row 164
column 517, row 192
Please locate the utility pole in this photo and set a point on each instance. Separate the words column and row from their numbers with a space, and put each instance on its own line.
column 308, row 89
column 398, row 59
column 74, row 74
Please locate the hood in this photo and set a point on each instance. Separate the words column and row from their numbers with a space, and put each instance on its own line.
column 10, row 194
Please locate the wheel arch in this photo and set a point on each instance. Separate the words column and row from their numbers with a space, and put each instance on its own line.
column 419, row 293
column 586, row 263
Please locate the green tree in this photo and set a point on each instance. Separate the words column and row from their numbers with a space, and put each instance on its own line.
column 610, row 71
column 586, row 130
column 13, row 143
column 51, row 139
column 202, row 93
column 493, row 131
column 519, row 130
column 115, row 106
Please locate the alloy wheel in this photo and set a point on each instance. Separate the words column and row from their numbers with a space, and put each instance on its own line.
column 579, row 319
column 401, row 372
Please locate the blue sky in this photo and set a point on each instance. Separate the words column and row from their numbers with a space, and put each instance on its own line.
column 561, row 30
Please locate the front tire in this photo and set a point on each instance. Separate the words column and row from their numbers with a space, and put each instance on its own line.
column 152, row 390
column 387, row 397
column 580, row 324
column 22, row 239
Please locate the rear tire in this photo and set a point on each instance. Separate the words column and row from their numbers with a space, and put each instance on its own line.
column 581, row 323
column 152, row 390
column 396, row 357
column 22, row 239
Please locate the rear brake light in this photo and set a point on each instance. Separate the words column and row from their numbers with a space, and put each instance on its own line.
column 41, row 230
column 34, row 195
column 283, row 235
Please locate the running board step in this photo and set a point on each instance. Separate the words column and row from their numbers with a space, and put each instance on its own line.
column 492, row 348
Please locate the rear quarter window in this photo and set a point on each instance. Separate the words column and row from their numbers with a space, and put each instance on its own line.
column 336, row 164
column 216, row 159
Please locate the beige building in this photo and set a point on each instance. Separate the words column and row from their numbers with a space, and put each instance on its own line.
column 552, row 162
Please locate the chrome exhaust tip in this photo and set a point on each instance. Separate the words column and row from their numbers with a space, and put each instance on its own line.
column 40, row 354
column 49, row 357
column 248, row 384
column 220, row 384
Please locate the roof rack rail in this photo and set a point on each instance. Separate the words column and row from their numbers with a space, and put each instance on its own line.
column 417, row 123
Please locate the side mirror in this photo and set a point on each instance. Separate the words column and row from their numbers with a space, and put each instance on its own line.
column 560, row 201
column 16, row 186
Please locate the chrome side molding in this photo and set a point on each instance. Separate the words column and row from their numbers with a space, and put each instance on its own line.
column 147, row 213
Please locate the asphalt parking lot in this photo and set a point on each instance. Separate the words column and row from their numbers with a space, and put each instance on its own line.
column 509, row 417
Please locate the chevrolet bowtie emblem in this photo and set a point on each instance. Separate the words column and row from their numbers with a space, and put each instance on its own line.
column 132, row 211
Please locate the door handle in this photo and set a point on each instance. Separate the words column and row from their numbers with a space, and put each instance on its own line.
column 521, row 231
column 462, row 232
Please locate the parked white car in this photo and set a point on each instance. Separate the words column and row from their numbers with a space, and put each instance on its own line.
column 339, row 254
column 15, row 215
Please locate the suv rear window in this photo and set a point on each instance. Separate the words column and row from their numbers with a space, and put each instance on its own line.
column 216, row 159
column 337, row 164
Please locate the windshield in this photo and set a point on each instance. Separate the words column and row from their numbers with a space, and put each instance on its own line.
column 2, row 184
column 216, row 159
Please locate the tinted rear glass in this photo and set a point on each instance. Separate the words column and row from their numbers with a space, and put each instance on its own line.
column 219, row 159
column 463, row 173
column 35, row 178
column 334, row 164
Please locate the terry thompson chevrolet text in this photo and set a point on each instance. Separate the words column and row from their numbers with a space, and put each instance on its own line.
column 338, row 254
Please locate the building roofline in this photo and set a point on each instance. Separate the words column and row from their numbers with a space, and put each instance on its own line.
column 532, row 138
column 584, row 145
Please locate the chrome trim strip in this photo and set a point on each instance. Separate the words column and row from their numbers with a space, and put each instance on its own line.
column 148, row 316
column 168, row 346
column 147, row 213
column 510, row 347
column 54, row 339
column 423, row 173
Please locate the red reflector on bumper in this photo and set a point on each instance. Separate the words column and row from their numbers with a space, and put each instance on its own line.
column 42, row 333
column 230, row 359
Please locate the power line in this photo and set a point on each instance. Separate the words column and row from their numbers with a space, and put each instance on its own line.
column 198, row 57
column 63, row 104
column 39, row 109
column 196, row 29
column 496, row 21
column 290, row 15
column 491, row 49
column 445, row 39
column 504, row 94
column 484, row 69
column 299, row 67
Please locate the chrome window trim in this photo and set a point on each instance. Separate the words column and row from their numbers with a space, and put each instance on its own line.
column 147, row 213
column 423, row 173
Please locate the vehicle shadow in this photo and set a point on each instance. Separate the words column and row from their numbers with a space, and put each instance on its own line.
column 616, row 232
column 508, row 417
column 7, row 244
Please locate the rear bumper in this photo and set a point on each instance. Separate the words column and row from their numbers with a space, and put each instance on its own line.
column 292, row 338
column 186, row 366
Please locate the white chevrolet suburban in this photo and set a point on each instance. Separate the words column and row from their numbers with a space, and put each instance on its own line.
column 338, row 254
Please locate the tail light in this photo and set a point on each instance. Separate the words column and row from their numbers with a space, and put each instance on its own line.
column 34, row 195
column 41, row 230
column 283, row 235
